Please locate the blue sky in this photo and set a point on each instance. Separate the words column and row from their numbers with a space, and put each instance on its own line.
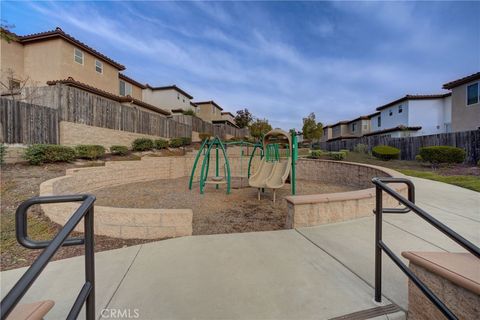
column 282, row 60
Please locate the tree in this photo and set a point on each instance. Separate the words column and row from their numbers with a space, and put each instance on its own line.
column 311, row 128
column 13, row 85
column 5, row 33
column 259, row 127
column 243, row 118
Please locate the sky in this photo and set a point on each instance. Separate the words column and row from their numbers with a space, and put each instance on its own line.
column 281, row 60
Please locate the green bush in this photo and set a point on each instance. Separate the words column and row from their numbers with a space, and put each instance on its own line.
column 385, row 152
column 316, row 154
column 204, row 135
column 3, row 152
column 89, row 151
column 361, row 148
column 331, row 155
column 346, row 151
column 442, row 154
column 419, row 158
column 43, row 153
column 119, row 150
column 338, row 156
column 161, row 144
column 142, row 144
column 189, row 112
column 180, row 142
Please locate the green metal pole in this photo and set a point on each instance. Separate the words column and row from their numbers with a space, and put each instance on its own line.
column 227, row 166
column 196, row 162
column 294, row 161
column 216, row 165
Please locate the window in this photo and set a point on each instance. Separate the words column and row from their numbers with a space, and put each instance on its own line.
column 125, row 88
column 213, row 109
column 400, row 108
column 379, row 121
column 390, row 113
column 178, row 96
column 78, row 56
column 98, row 66
column 472, row 94
column 354, row 126
column 14, row 85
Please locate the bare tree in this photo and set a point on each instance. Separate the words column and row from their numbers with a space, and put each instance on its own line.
column 14, row 86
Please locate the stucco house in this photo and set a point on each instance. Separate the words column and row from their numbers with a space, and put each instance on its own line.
column 168, row 97
column 209, row 111
column 55, row 57
column 413, row 115
column 465, row 112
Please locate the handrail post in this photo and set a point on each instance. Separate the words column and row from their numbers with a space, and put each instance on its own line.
column 90, row 263
column 378, row 239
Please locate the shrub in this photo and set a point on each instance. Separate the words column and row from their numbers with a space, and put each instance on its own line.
column 385, row 152
column 119, row 150
column 361, row 148
column 331, row 155
column 142, row 144
column 43, row 153
column 161, row 144
column 346, row 151
column 316, row 154
column 419, row 158
column 338, row 156
column 180, row 142
column 442, row 154
column 204, row 135
column 3, row 152
column 89, row 151
column 189, row 112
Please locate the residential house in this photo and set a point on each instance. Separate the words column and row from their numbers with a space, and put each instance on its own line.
column 465, row 110
column 55, row 57
column 327, row 133
column 340, row 131
column 209, row 111
column 168, row 97
column 413, row 115
column 360, row 126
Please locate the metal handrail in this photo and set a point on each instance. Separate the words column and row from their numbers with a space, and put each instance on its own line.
column 380, row 186
column 86, row 212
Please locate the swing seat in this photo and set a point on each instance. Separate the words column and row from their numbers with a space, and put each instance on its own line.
column 217, row 178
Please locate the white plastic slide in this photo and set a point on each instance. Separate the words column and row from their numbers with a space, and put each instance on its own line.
column 279, row 174
column 259, row 178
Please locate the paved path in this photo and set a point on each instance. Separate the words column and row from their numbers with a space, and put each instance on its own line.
column 319, row 272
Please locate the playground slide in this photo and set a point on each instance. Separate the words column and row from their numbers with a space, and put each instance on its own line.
column 259, row 178
column 279, row 174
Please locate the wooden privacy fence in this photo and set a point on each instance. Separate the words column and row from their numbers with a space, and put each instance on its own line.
column 26, row 123
column 410, row 146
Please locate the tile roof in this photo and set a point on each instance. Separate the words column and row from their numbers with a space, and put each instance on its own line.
column 77, row 84
column 458, row 82
column 415, row 97
column 59, row 33
column 132, row 81
column 397, row 128
column 172, row 87
column 210, row 102
column 343, row 137
column 225, row 121
column 228, row 112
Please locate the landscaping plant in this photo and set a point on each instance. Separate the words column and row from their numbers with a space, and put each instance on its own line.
column 180, row 142
column 385, row 152
column 361, row 148
column 204, row 135
column 161, row 144
column 142, row 144
column 3, row 152
column 89, row 151
column 37, row 154
column 119, row 150
column 442, row 154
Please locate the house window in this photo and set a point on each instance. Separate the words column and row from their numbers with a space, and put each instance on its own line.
column 390, row 113
column 78, row 56
column 125, row 88
column 354, row 126
column 213, row 109
column 178, row 96
column 98, row 66
column 379, row 121
column 472, row 94
column 14, row 85
column 400, row 108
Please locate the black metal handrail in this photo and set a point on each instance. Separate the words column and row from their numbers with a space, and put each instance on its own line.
column 380, row 186
column 85, row 211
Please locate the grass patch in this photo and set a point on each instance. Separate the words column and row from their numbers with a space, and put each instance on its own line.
column 468, row 182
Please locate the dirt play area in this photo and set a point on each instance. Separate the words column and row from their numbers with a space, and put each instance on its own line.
column 214, row 211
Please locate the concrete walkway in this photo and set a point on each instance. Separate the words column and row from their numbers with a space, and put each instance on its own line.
column 319, row 272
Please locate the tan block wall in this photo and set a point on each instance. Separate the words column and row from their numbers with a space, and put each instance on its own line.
column 74, row 133
column 463, row 303
column 313, row 210
column 15, row 153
